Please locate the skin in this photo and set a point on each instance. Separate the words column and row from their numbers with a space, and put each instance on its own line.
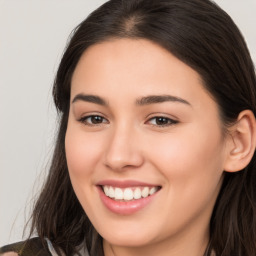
column 186, row 157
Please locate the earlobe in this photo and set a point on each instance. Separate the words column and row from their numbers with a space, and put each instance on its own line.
column 242, row 142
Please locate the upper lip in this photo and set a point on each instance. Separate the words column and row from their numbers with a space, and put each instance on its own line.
column 126, row 183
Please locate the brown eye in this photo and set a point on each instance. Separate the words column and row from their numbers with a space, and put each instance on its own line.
column 96, row 119
column 93, row 120
column 162, row 121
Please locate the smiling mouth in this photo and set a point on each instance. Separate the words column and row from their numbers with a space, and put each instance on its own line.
column 129, row 193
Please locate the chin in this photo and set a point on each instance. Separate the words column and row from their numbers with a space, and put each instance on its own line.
column 127, row 239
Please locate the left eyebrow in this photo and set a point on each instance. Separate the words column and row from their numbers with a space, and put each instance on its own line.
column 152, row 99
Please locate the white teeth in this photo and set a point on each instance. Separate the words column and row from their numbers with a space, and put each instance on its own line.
column 152, row 190
column 137, row 193
column 119, row 194
column 111, row 192
column 105, row 188
column 128, row 194
column 145, row 192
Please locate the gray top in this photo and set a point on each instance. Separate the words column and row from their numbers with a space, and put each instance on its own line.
column 83, row 251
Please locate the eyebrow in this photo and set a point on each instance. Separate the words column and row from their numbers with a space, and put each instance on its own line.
column 152, row 99
column 147, row 100
column 90, row 98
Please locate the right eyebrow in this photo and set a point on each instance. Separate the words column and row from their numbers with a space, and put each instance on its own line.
column 90, row 98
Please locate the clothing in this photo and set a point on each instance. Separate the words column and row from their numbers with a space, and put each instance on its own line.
column 34, row 247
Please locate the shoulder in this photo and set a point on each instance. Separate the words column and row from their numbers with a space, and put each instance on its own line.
column 9, row 254
column 31, row 247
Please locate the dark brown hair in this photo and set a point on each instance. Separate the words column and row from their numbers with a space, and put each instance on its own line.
column 203, row 36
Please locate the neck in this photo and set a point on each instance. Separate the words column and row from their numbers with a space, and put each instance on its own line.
column 181, row 244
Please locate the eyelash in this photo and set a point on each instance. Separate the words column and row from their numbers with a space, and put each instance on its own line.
column 168, row 121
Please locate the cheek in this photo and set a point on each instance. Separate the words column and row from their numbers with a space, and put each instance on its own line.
column 191, row 162
column 82, row 152
column 190, row 147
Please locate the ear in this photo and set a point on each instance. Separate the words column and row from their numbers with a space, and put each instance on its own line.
column 241, row 143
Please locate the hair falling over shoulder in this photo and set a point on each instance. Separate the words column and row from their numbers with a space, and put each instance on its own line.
column 203, row 36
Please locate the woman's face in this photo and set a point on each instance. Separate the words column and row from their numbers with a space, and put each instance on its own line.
column 143, row 128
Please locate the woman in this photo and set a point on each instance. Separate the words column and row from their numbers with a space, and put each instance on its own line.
column 155, row 153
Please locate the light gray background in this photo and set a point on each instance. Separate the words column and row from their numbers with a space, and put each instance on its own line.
column 33, row 34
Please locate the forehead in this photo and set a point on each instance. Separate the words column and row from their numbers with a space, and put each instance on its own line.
column 130, row 67
column 128, row 55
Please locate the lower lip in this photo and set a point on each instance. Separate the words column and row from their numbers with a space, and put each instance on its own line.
column 125, row 208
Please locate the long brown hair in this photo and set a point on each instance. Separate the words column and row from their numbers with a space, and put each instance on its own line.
column 204, row 37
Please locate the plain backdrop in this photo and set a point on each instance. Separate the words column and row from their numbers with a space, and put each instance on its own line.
column 33, row 34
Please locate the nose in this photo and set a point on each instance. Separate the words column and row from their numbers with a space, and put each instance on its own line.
column 123, row 150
